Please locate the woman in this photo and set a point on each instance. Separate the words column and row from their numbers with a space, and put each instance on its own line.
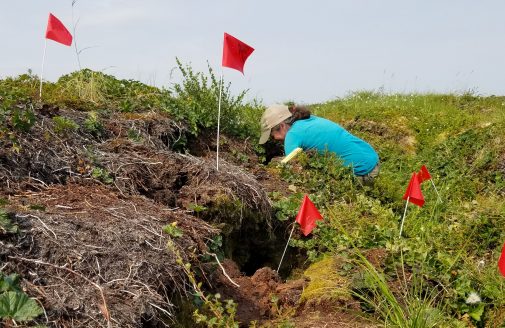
column 299, row 129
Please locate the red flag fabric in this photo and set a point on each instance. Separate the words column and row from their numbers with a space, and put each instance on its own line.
column 413, row 192
column 307, row 216
column 501, row 261
column 424, row 174
column 56, row 31
column 235, row 53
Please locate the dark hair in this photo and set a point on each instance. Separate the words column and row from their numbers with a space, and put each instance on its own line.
column 299, row 113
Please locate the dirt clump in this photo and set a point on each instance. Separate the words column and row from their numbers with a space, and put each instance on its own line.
column 376, row 256
column 260, row 295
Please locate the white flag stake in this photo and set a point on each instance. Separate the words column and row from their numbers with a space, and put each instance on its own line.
column 404, row 212
column 285, row 248
column 42, row 71
column 219, row 118
column 433, row 184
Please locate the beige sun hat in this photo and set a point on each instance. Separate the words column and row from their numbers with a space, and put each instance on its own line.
column 272, row 116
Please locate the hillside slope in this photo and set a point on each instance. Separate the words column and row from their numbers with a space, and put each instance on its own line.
column 113, row 213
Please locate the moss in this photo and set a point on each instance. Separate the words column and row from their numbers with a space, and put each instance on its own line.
column 325, row 281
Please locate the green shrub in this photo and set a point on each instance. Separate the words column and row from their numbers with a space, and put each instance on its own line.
column 196, row 103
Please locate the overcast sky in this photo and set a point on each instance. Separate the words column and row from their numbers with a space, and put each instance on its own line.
column 307, row 51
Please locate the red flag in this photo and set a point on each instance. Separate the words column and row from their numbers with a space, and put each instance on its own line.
column 235, row 53
column 413, row 192
column 307, row 216
column 424, row 174
column 501, row 261
column 56, row 31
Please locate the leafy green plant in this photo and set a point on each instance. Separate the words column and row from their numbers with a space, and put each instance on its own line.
column 63, row 125
column 196, row 103
column 14, row 303
column 197, row 209
column 211, row 312
column 285, row 207
column 17, row 306
column 16, row 109
column 9, row 283
column 23, row 120
column 173, row 230
column 221, row 316
column 93, row 125
column 102, row 175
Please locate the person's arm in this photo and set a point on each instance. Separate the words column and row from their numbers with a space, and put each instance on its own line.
column 291, row 155
column 292, row 146
column 291, row 142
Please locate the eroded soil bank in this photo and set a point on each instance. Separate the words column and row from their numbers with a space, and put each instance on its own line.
column 92, row 212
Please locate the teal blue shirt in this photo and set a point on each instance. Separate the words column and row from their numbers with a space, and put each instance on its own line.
column 324, row 135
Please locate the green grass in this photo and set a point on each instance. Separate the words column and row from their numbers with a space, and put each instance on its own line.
column 453, row 244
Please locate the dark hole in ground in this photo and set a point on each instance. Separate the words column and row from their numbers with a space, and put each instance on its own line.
column 255, row 249
column 180, row 181
column 272, row 149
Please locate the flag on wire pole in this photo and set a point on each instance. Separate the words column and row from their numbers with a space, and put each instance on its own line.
column 501, row 261
column 425, row 175
column 235, row 53
column 307, row 216
column 55, row 31
column 413, row 194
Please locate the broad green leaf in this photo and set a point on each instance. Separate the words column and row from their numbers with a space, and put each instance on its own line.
column 476, row 313
column 17, row 306
column 9, row 283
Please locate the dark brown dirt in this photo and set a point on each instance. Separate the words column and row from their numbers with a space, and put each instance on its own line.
column 88, row 242
column 332, row 317
column 258, row 296
column 376, row 256
column 91, row 206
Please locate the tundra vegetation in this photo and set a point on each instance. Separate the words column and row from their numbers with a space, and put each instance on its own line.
column 121, row 176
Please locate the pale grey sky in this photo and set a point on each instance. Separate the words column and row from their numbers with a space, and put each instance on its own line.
column 307, row 51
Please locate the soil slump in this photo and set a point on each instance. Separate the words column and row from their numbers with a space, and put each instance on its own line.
column 91, row 211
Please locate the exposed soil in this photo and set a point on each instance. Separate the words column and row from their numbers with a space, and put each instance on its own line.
column 332, row 317
column 254, row 296
column 91, row 207
column 91, row 257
